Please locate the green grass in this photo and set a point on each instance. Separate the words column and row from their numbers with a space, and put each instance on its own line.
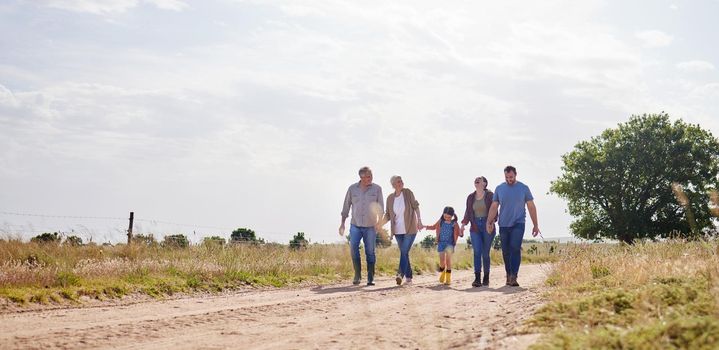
column 51, row 273
column 647, row 296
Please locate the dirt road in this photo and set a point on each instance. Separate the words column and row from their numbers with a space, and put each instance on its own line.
column 424, row 315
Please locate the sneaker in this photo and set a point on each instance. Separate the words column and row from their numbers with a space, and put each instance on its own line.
column 407, row 281
column 370, row 283
column 398, row 279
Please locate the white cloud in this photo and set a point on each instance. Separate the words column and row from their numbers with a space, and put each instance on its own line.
column 105, row 7
column 695, row 66
column 654, row 38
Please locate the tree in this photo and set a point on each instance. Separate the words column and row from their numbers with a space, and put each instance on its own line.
column 176, row 241
column 428, row 242
column 299, row 241
column 245, row 235
column 622, row 184
column 47, row 238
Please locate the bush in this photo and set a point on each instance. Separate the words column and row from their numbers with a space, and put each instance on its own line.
column 299, row 241
column 47, row 238
column 74, row 241
column 245, row 235
column 147, row 240
column 428, row 242
column 176, row 241
column 214, row 241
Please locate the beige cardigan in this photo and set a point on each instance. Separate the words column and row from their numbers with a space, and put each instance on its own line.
column 410, row 211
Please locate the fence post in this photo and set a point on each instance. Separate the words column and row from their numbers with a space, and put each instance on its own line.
column 129, row 229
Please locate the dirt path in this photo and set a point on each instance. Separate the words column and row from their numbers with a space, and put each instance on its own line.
column 424, row 315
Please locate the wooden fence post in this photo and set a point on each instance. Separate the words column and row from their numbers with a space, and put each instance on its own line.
column 129, row 229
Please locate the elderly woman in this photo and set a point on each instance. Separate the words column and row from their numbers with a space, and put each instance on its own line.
column 478, row 204
column 402, row 211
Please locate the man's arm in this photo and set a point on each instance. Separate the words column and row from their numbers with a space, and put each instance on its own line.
column 533, row 215
column 491, row 216
column 345, row 211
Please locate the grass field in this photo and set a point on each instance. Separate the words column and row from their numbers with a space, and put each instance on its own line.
column 647, row 296
column 51, row 273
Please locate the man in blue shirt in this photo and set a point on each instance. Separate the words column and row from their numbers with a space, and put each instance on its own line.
column 512, row 196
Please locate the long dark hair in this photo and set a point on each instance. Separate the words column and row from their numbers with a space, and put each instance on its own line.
column 449, row 211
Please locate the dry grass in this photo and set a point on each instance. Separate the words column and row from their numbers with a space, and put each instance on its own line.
column 646, row 296
column 33, row 272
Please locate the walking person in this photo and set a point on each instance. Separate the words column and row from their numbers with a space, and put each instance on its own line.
column 478, row 204
column 510, row 198
column 402, row 211
column 447, row 234
column 365, row 200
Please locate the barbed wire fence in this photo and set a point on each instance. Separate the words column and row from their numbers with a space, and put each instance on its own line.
column 112, row 226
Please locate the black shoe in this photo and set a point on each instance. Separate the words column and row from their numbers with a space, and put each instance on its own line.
column 370, row 274
column 357, row 266
column 485, row 280
column 477, row 277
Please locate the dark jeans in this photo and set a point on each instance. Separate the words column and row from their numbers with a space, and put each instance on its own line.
column 404, row 242
column 369, row 236
column 512, row 247
column 481, row 244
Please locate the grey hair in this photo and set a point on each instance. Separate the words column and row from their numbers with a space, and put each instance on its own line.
column 365, row 170
column 394, row 178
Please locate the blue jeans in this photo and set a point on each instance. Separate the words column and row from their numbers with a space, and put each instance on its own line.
column 512, row 247
column 404, row 242
column 368, row 235
column 481, row 244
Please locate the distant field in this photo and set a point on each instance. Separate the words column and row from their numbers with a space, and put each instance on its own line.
column 52, row 273
column 647, row 296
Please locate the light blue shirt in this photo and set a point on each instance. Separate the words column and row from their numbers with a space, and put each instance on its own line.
column 512, row 200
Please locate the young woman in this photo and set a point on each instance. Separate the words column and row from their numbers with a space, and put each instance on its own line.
column 478, row 204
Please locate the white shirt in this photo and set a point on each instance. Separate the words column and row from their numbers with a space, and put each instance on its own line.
column 398, row 208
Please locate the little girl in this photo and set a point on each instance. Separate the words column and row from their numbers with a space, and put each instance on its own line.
column 447, row 234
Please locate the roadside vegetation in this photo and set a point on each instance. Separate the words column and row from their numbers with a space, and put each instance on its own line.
column 642, row 296
column 54, row 272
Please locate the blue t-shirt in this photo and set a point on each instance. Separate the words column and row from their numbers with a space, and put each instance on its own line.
column 512, row 200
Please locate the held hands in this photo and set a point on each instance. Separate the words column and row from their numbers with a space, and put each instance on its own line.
column 490, row 227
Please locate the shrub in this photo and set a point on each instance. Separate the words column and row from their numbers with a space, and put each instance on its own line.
column 428, row 242
column 176, row 241
column 147, row 240
column 245, row 235
column 299, row 241
column 47, row 238
column 214, row 241
column 74, row 241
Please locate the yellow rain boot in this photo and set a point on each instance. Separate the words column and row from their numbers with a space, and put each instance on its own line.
column 448, row 277
column 442, row 275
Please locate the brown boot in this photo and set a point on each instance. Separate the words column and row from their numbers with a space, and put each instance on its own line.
column 509, row 279
column 513, row 281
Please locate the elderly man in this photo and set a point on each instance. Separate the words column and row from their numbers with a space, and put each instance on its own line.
column 365, row 200
column 512, row 196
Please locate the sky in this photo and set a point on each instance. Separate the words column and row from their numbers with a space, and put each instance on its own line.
column 205, row 116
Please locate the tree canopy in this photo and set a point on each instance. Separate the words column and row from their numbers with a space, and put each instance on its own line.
column 647, row 178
